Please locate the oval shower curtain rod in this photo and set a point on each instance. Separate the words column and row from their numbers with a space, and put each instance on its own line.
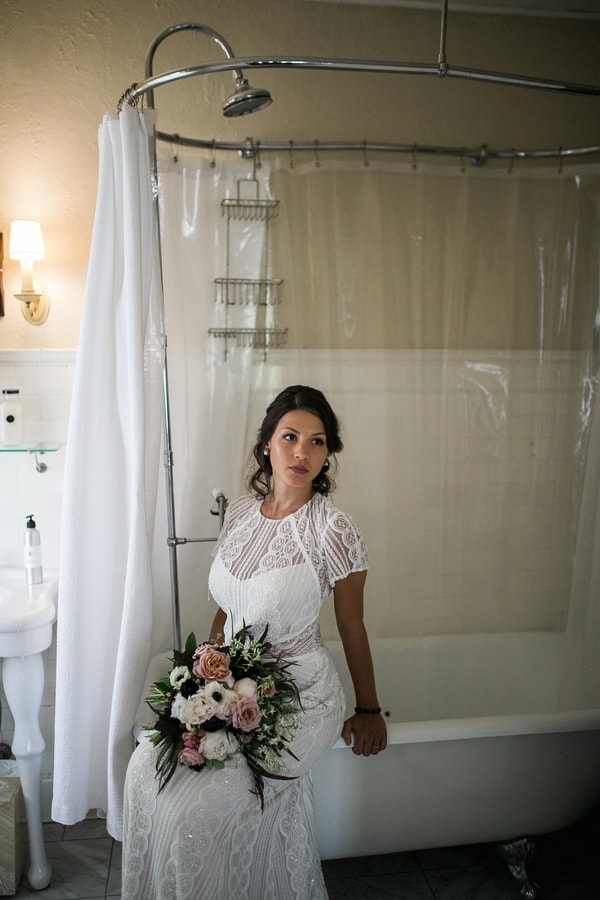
column 440, row 70
column 247, row 99
column 381, row 67
column 478, row 156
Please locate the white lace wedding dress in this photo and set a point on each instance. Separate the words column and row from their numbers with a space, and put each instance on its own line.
column 204, row 836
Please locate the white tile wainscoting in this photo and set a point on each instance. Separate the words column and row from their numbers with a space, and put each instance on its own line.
column 477, row 448
column 44, row 379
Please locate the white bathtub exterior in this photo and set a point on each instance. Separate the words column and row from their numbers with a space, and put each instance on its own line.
column 477, row 749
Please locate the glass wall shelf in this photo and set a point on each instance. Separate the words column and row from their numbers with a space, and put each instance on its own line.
column 33, row 447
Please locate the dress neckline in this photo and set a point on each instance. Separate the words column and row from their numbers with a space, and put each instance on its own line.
column 283, row 518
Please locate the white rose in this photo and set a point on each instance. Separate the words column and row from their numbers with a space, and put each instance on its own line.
column 218, row 745
column 246, row 687
column 192, row 710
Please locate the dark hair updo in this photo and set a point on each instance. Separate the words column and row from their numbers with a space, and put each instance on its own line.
column 311, row 400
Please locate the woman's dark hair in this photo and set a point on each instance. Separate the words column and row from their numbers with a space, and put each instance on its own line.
column 296, row 396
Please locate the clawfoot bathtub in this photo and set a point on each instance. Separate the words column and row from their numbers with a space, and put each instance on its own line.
column 478, row 751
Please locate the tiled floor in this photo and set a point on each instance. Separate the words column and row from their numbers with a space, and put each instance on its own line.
column 565, row 866
column 87, row 866
column 85, row 861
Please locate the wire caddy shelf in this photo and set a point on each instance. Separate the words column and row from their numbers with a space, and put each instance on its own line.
column 233, row 292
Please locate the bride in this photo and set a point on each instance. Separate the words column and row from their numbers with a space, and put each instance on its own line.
column 283, row 548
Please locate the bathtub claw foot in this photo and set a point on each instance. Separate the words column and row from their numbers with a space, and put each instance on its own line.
column 516, row 855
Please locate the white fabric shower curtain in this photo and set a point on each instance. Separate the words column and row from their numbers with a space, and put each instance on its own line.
column 105, row 600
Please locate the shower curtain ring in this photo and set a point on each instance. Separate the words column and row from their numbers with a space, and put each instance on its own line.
column 511, row 162
column 291, row 152
column 317, row 160
column 213, row 155
column 481, row 157
column 365, row 158
column 414, row 157
column 560, row 166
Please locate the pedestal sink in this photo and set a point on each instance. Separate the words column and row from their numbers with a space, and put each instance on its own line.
column 27, row 612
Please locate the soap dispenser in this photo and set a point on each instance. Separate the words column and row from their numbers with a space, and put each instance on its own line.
column 11, row 429
column 33, row 553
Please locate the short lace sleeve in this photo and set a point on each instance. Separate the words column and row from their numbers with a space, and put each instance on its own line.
column 235, row 513
column 344, row 548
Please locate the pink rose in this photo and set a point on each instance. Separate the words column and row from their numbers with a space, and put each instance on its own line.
column 193, row 737
column 190, row 756
column 246, row 714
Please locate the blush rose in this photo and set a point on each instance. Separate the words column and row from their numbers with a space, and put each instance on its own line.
column 246, row 714
column 191, row 756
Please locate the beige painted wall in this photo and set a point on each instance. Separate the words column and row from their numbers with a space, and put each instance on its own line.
column 65, row 63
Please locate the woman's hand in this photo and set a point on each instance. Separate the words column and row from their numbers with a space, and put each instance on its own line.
column 369, row 731
column 217, row 630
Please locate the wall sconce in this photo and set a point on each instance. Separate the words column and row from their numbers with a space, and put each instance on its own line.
column 27, row 244
column 1, row 282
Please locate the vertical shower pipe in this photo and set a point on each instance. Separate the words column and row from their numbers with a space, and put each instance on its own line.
column 172, row 540
column 442, row 61
column 168, row 446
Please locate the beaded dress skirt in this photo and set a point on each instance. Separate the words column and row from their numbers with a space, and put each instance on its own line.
column 204, row 836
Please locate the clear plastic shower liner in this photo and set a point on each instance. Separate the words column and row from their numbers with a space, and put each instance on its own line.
column 452, row 318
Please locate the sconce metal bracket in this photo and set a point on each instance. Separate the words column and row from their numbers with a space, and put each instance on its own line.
column 1, row 270
column 35, row 307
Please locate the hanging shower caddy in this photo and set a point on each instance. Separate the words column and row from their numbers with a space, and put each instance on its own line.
column 234, row 293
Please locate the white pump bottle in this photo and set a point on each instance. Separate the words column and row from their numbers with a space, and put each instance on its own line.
column 33, row 553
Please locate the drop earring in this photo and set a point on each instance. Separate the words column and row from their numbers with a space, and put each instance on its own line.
column 266, row 451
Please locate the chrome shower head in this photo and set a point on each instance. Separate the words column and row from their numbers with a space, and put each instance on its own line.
column 246, row 99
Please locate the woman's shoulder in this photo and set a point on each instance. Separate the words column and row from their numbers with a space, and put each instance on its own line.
column 330, row 515
column 241, row 508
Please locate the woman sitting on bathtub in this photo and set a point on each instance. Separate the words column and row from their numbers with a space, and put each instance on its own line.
column 282, row 549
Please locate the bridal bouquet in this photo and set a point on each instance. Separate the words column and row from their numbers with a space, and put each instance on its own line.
column 220, row 700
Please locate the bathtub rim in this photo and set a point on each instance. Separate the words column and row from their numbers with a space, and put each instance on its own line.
column 437, row 730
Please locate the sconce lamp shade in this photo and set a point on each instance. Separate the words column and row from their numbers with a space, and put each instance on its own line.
column 27, row 245
column 26, row 241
